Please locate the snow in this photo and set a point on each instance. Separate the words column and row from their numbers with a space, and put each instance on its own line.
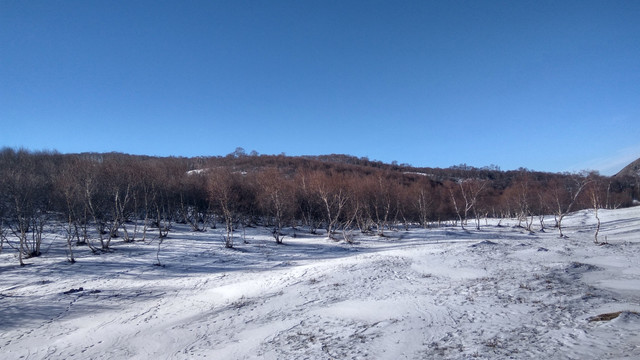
column 497, row 293
column 196, row 171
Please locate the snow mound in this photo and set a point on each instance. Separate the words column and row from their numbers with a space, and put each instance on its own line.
column 484, row 243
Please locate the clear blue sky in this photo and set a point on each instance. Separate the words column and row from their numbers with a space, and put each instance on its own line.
column 546, row 85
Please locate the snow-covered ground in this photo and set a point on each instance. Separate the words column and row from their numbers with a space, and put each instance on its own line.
column 496, row 293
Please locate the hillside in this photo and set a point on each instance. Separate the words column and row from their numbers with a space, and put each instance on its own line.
column 632, row 170
column 330, row 192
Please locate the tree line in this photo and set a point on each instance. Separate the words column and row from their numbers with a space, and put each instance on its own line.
column 94, row 198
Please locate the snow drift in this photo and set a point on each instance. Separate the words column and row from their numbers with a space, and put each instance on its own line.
column 501, row 292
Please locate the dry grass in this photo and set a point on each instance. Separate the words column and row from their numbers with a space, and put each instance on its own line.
column 609, row 316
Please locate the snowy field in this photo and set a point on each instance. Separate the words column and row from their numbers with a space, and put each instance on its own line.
column 443, row 293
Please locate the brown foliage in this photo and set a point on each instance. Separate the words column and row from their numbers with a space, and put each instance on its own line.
column 339, row 192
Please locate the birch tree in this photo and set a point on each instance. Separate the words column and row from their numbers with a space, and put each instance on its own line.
column 276, row 199
column 464, row 196
column 565, row 192
column 332, row 193
column 26, row 181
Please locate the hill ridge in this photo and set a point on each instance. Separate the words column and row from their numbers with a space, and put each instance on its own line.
column 633, row 169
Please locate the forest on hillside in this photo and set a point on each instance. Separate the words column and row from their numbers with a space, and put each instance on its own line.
column 101, row 196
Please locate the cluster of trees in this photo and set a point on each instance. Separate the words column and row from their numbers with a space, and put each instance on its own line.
column 98, row 197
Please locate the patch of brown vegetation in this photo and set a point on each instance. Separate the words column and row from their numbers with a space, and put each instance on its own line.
column 609, row 316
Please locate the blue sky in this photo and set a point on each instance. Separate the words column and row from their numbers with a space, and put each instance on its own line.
column 546, row 85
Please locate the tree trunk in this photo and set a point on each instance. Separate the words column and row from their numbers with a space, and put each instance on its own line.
column 597, row 226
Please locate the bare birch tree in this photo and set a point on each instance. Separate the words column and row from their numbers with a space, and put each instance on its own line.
column 565, row 194
column 594, row 192
column 468, row 191
column 276, row 198
column 333, row 195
